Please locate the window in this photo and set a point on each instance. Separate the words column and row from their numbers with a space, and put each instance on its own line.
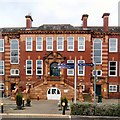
column 112, row 88
column 83, row 87
column 1, row 67
column 81, row 43
column 1, row 45
column 49, row 44
column 113, row 44
column 28, row 43
column 70, row 43
column 98, row 72
column 97, row 51
column 60, row 43
column 29, row 65
column 14, row 51
column 112, row 68
column 81, row 69
column 70, row 72
column 39, row 67
column 1, row 86
column 14, row 72
column 39, row 44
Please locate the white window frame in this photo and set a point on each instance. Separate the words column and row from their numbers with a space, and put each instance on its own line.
column 2, row 47
column 3, row 70
column 68, row 49
column 116, row 45
column 97, row 72
column 83, row 67
column 31, row 44
column 40, row 69
column 47, row 39
column 83, row 87
column 31, row 67
column 1, row 84
column 97, row 49
column 13, row 72
column 81, row 43
column 62, row 44
column 14, row 50
column 113, row 70
column 72, row 70
column 37, row 45
column 112, row 90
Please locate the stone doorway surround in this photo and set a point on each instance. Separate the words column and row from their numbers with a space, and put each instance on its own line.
column 53, row 57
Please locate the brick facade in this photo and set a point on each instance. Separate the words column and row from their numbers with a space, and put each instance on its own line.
column 41, row 84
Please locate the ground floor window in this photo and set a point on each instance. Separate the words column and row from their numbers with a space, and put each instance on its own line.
column 1, row 86
column 112, row 88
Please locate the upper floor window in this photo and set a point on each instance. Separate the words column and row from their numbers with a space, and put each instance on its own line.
column 28, row 43
column 60, row 43
column 81, row 43
column 112, row 68
column 112, row 88
column 39, row 44
column 29, row 67
column 1, row 67
column 81, row 69
column 39, row 67
column 113, row 45
column 14, row 51
column 70, row 43
column 1, row 45
column 97, row 51
column 14, row 72
column 49, row 44
column 70, row 72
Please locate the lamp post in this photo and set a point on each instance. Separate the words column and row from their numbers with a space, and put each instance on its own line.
column 23, row 101
column 63, row 104
column 75, row 82
column 95, row 83
column 2, row 108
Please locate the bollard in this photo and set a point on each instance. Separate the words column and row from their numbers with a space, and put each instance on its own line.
column 63, row 104
column 2, row 108
column 23, row 101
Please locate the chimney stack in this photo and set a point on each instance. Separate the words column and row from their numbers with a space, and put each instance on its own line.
column 105, row 21
column 84, row 19
column 28, row 21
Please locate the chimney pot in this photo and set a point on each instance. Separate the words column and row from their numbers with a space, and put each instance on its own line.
column 84, row 19
column 28, row 21
column 105, row 21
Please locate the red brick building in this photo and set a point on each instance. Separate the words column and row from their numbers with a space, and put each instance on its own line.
column 30, row 56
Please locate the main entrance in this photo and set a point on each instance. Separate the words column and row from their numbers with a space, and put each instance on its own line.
column 53, row 94
column 54, row 71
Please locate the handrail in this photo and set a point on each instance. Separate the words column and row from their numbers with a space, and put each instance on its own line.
column 38, row 82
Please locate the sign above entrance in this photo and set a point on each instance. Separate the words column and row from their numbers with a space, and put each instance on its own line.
column 66, row 66
column 72, row 65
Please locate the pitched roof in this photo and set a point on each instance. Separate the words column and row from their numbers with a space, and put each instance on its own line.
column 51, row 27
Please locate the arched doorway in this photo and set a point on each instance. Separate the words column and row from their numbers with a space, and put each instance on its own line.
column 53, row 93
column 54, row 71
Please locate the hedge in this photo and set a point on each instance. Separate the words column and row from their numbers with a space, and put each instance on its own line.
column 89, row 109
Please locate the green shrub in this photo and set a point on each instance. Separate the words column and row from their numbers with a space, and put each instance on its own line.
column 19, row 100
column 28, row 101
column 65, row 100
column 98, row 110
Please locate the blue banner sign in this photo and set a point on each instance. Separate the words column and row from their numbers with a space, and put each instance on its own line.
column 66, row 66
column 71, row 65
column 85, row 64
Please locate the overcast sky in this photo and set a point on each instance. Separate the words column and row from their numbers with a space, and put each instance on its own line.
column 12, row 12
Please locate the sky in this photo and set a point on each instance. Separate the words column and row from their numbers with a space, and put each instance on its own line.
column 12, row 12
